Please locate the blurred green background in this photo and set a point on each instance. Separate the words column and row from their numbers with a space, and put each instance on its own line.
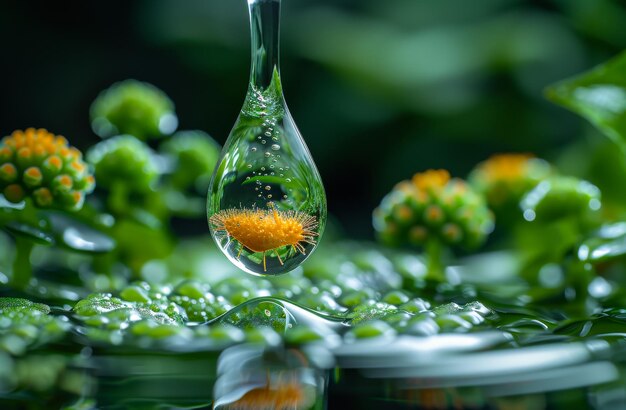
column 379, row 89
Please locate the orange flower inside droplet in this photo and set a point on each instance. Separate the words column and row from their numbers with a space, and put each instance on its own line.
column 266, row 230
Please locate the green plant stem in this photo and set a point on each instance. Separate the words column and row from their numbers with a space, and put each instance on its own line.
column 435, row 269
column 22, row 268
column 117, row 201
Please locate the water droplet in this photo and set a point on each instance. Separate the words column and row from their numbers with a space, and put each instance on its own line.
column 285, row 196
column 253, row 149
column 268, row 154
column 231, row 195
column 247, row 178
column 272, row 166
column 288, row 179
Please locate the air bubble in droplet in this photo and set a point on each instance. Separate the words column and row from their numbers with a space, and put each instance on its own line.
column 285, row 197
column 275, row 147
column 272, row 166
column 249, row 165
column 263, row 141
column 288, row 180
column 268, row 134
column 267, row 187
column 253, row 149
column 275, row 138
column 269, row 196
column 268, row 154
column 262, row 168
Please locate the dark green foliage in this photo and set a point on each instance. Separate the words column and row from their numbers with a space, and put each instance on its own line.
column 599, row 95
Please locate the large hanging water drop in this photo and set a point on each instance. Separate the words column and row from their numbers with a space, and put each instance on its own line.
column 266, row 202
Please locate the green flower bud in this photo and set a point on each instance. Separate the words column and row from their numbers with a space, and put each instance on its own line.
column 124, row 160
column 561, row 197
column 133, row 107
column 194, row 155
column 39, row 164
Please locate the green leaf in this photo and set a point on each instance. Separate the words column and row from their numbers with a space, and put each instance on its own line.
column 599, row 95
column 78, row 236
column 29, row 232
column 19, row 305
column 607, row 243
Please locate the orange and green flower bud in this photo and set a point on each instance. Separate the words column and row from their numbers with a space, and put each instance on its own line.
column 133, row 107
column 124, row 161
column 6, row 154
column 505, row 178
column 14, row 193
column 43, row 197
column 8, row 173
column 62, row 183
column 72, row 199
column 39, row 164
column 433, row 206
column 32, row 177
column 52, row 165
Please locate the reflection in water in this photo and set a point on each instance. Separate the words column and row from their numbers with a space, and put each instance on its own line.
column 252, row 377
column 478, row 371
